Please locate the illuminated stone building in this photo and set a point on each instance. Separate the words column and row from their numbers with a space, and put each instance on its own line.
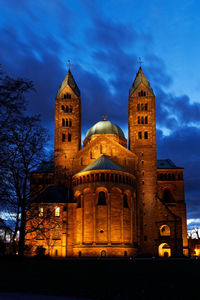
column 105, row 199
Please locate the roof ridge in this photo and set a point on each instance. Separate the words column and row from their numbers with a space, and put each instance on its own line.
column 69, row 80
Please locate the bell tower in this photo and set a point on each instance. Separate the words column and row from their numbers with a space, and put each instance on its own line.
column 142, row 141
column 67, row 123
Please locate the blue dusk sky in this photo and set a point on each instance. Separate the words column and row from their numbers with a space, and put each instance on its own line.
column 103, row 40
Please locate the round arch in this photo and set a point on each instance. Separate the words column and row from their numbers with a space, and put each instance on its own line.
column 164, row 250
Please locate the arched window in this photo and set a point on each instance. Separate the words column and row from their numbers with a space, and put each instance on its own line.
column 70, row 109
column 164, row 230
column 78, row 201
column 138, row 120
column 63, row 122
column 146, row 106
column 67, row 122
column 67, row 109
column 142, row 120
column 167, row 196
column 164, row 250
column 142, row 106
column 70, row 123
column 102, row 198
column 138, row 107
column 62, row 108
column 63, row 137
column 41, row 212
column 146, row 120
column 139, row 135
column 146, row 135
column 57, row 212
column 69, row 137
column 125, row 200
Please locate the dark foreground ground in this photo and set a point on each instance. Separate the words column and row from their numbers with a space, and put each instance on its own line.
column 103, row 279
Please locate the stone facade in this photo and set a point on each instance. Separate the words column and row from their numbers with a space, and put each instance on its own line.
column 112, row 201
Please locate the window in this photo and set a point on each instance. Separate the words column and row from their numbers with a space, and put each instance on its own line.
column 142, row 120
column 102, row 198
column 41, row 212
column 146, row 135
column 67, row 96
column 142, row 106
column 67, row 123
column 69, row 137
column 78, row 201
column 57, row 212
column 167, row 196
column 125, row 201
column 62, row 108
column 70, row 109
column 138, row 107
column 142, row 182
column 67, row 109
column 138, row 120
column 63, row 122
column 141, row 93
column 164, row 230
column 70, row 123
column 146, row 106
column 102, row 177
column 139, row 135
column 146, row 120
column 63, row 137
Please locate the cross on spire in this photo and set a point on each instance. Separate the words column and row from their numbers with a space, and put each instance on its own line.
column 140, row 61
column 69, row 64
column 104, row 117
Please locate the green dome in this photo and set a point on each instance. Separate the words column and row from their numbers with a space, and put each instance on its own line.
column 105, row 127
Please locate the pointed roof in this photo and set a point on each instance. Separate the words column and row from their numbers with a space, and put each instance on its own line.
column 166, row 164
column 140, row 77
column 69, row 80
column 103, row 163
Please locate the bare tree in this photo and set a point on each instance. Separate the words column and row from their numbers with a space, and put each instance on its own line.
column 22, row 149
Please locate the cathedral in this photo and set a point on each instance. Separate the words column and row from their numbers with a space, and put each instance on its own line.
column 107, row 199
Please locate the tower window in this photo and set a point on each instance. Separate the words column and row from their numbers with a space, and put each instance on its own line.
column 57, row 212
column 62, row 108
column 70, row 109
column 142, row 120
column 142, row 93
column 125, row 201
column 67, row 123
column 63, row 137
column 146, row 106
column 142, row 106
column 67, row 96
column 67, row 109
column 138, row 107
column 146, row 135
column 138, row 120
column 140, row 135
column 41, row 212
column 69, row 137
column 70, row 123
column 102, row 198
column 146, row 120
column 63, row 122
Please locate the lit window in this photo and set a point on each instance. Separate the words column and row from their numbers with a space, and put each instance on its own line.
column 41, row 212
column 57, row 212
column 146, row 135
column 164, row 230
column 139, row 135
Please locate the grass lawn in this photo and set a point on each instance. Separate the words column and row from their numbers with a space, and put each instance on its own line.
column 103, row 279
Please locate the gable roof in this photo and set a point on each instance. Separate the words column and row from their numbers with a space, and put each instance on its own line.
column 166, row 164
column 69, row 80
column 103, row 163
column 140, row 77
